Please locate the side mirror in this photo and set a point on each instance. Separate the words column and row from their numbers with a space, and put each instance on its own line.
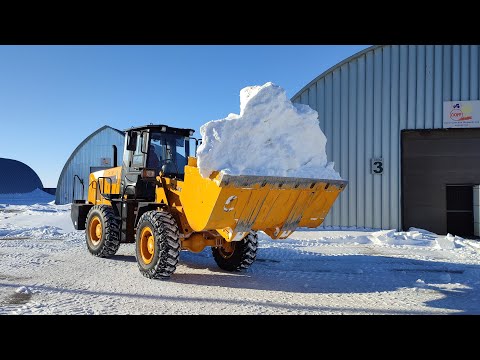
column 132, row 141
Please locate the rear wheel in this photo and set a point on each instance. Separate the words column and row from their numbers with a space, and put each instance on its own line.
column 157, row 244
column 102, row 231
column 237, row 255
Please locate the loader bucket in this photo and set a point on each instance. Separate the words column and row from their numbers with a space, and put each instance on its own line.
column 235, row 205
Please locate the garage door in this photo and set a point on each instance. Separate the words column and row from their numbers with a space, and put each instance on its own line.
column 439, row 169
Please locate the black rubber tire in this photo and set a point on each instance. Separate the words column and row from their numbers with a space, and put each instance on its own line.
column 166, row 247
column 244, row 254
column 110, row 241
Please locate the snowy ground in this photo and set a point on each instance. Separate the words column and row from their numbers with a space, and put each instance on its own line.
column 45, row 269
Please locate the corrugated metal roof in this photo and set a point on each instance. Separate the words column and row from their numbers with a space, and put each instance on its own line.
column 88, row 154
column 17, row 177
column 77, row 149
column 333, row 68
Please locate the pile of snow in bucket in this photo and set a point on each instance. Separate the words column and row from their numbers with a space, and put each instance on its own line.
column 270, row 137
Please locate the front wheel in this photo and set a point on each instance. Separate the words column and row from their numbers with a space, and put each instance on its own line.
column 102, row 231
column 237, row 255
column 157, row 244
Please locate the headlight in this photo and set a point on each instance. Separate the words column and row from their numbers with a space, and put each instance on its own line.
column 148, row 173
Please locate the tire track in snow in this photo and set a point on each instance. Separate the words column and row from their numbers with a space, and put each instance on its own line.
column 309, row 275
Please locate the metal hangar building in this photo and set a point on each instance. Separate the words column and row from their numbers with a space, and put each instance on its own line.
column 100, row 150
column 403, row 127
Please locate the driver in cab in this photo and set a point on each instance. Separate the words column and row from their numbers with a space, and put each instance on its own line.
column 153, row 160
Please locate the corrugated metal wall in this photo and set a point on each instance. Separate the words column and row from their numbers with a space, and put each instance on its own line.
column 88, row 154
column 364, row 103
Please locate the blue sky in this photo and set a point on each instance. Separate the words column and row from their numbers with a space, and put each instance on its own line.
column 53, row 97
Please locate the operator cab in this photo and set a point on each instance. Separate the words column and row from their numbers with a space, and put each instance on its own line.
column 159, row 148
column 149, row 151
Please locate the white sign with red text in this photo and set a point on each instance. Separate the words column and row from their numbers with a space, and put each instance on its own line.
column 461, row 114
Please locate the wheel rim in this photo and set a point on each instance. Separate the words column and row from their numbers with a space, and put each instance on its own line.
column 147, row 245
column 227, row 250
column 95, row 230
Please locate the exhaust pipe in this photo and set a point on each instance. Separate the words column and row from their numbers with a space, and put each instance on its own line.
column 114, row 155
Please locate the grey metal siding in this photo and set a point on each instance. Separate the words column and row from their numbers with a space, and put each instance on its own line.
column 368, row 140
column 352, row 134
column 87, row 154
column 360, row 141
column 386, row 136
column 363, row 104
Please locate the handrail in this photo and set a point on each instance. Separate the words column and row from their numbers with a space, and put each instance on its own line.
column 97, row 188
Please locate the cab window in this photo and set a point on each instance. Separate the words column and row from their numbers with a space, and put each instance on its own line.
column 138, row 156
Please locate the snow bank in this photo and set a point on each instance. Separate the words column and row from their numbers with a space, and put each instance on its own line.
column 37, row 196
column 270, row 137
column 412, row 237
column 31, row 232
column 38, row 221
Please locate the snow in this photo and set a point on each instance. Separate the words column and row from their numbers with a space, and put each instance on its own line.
column 23, row 290
column 270, row 137
column 45, row 268
column 36, row 196
column 414, row 236
column 446, row 278
column 420, row 283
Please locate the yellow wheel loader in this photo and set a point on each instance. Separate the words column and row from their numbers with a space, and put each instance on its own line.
column 158, row 200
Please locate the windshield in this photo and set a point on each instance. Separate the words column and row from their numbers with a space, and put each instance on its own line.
column 168, row 150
